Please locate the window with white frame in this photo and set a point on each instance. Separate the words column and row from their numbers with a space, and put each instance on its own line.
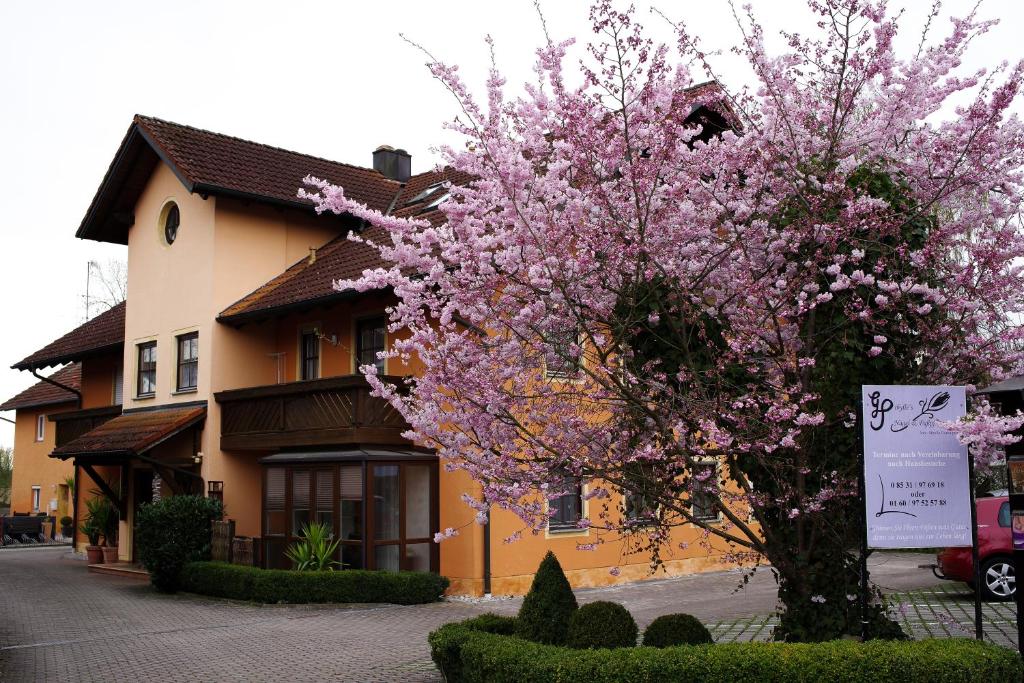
column 639, row 496
column 705, row 492
column 566, row 509
column 40, row 427
column 562, row 354
column 37, row 492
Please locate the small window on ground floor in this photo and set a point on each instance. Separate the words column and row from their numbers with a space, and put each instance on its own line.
column 37, row 492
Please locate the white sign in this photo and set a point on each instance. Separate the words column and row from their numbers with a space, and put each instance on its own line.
column 916, row 474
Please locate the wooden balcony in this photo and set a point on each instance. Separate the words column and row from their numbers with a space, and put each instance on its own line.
column 73, row 424
column 324, row 412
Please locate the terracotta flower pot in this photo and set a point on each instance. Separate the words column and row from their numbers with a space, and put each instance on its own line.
column 109, row 554
column 94, row 553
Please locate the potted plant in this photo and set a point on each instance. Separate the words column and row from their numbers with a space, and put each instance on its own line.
column 104, row 513
column 109, row 527
column 65, row 526
column 99, row 513
column 93, row 551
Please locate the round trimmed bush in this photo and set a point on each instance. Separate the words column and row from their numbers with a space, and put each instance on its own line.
column 676, row 629
column 601, row 624
column 547, row 608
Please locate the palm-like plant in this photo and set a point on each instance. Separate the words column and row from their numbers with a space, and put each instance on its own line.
column 316, row 548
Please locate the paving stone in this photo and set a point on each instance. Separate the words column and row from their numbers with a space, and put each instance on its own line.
column 59, row 622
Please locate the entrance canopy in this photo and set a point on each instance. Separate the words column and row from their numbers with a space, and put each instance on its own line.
column 131, row 436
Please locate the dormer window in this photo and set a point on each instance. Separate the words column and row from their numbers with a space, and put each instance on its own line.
column 172, row 219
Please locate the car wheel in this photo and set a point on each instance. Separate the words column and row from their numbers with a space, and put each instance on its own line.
column 998, row 579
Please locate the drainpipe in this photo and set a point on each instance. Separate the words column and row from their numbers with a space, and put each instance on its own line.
column 76, row 392
column 487, row 555
column 74, row 513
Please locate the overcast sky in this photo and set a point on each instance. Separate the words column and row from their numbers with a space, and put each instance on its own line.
column 333, row 79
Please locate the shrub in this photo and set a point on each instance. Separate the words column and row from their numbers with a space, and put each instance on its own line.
column 547, row 608
column 66, row 521
column 470, row 655
column 240, row 582
column 601, row 624
column 315, row 551
column 446, row 643
column 676, row 629
column 173, row 532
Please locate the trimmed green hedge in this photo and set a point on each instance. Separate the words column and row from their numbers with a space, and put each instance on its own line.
column 286, row 586
column 467, row 653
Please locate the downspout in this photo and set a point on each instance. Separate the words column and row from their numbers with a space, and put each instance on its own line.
column 487, row 556
column 74, row 512
column 57, row 384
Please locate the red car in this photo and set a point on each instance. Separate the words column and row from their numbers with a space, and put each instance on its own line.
column 995, row 550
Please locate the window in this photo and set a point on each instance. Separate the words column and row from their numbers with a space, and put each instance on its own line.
column 562, row 357
column 188, row 361
column 1004, row 515
column 118, row 386
column 383, row 513
column 639, row 495
column 215, row 490
column 309, row 354
column 40, row 427
column 370, row 336
column 36, row 493
column 147, row 369
column 704, row 496
column 172, row 219
column 566, row 509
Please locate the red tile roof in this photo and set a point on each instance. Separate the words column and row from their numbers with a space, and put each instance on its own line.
column 212, row 162
column 103, row 333
column 306, row 282
column 45, row 394
column 215, row 164
column 132, row 433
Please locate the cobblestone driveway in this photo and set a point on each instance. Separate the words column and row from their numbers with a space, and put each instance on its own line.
column 58, row 622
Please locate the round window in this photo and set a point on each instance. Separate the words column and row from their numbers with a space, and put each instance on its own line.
column 172, row 218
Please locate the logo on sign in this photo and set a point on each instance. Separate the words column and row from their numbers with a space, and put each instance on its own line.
column 881, row 406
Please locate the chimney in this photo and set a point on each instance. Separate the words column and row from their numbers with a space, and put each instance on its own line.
column 393, row 163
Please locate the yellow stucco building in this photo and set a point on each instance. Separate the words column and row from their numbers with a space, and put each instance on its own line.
column 231, row 371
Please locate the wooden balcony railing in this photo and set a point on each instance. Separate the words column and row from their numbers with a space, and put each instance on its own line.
column 73, row 424
column 322, row 412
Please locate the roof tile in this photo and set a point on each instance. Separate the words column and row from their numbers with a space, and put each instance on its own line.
column 104, row 332
column 341, row 259
column 43, row 393
column 132, row 433
column 213, row 161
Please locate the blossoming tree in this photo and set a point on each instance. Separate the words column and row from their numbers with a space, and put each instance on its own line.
column 647, row 277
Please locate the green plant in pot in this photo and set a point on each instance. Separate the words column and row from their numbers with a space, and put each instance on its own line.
column 65, row 526
column 93, row 529
column 108, row 521
column 101, row 519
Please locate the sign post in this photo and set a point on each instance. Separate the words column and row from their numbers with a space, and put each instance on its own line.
column 917, row 476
